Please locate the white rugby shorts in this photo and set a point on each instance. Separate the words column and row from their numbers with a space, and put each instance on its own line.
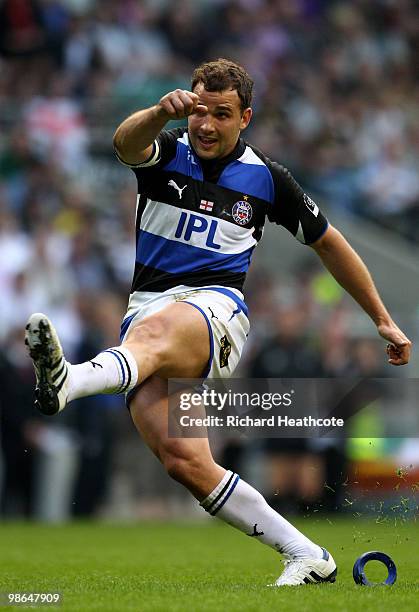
column 223, row 309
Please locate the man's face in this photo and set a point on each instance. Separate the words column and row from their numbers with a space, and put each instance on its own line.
column 214, row 134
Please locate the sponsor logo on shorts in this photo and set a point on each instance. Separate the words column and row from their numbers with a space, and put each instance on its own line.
column 225, row 350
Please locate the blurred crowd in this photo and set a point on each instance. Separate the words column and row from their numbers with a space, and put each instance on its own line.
column 336, row 89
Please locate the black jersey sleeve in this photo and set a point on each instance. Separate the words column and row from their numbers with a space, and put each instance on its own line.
column 167, row 144
column 294, row 209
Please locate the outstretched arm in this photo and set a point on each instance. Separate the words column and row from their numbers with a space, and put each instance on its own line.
column 352, row 274
column 133, row 139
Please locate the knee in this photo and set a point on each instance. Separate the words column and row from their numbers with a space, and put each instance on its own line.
column 151, row 332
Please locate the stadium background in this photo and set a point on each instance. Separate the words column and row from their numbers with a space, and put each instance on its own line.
column 336, row 101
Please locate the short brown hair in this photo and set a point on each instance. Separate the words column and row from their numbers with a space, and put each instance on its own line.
column 224, row 74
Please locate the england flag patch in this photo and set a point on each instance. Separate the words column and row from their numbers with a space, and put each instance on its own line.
column 206, row 205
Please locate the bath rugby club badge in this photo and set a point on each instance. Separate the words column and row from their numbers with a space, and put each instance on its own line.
column 242, row 211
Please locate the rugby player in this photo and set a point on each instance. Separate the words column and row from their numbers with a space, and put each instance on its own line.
column 203, row 197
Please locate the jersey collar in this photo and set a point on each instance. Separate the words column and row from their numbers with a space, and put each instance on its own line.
column 212, row 168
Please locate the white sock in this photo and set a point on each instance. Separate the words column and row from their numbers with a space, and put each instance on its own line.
column 112, row 371
column 240, row 505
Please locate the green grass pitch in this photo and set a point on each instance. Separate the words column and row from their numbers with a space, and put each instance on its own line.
column 200, row 567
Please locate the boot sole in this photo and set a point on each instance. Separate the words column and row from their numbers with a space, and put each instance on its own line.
column 46, row 393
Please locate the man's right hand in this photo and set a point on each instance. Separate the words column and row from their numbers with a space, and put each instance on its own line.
column 133, row 140
column 179, row 104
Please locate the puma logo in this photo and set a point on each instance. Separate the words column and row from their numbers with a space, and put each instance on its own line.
column 172, row 183
column 212, row 314
column 95, row 364
column 255, row 533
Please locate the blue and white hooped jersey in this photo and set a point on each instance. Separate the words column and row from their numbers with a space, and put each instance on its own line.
column 198, row 221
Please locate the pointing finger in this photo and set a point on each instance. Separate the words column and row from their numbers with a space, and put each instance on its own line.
column 201, row 108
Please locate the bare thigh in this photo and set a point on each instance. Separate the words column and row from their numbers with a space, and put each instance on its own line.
column 187, row 460
column 172, row 343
